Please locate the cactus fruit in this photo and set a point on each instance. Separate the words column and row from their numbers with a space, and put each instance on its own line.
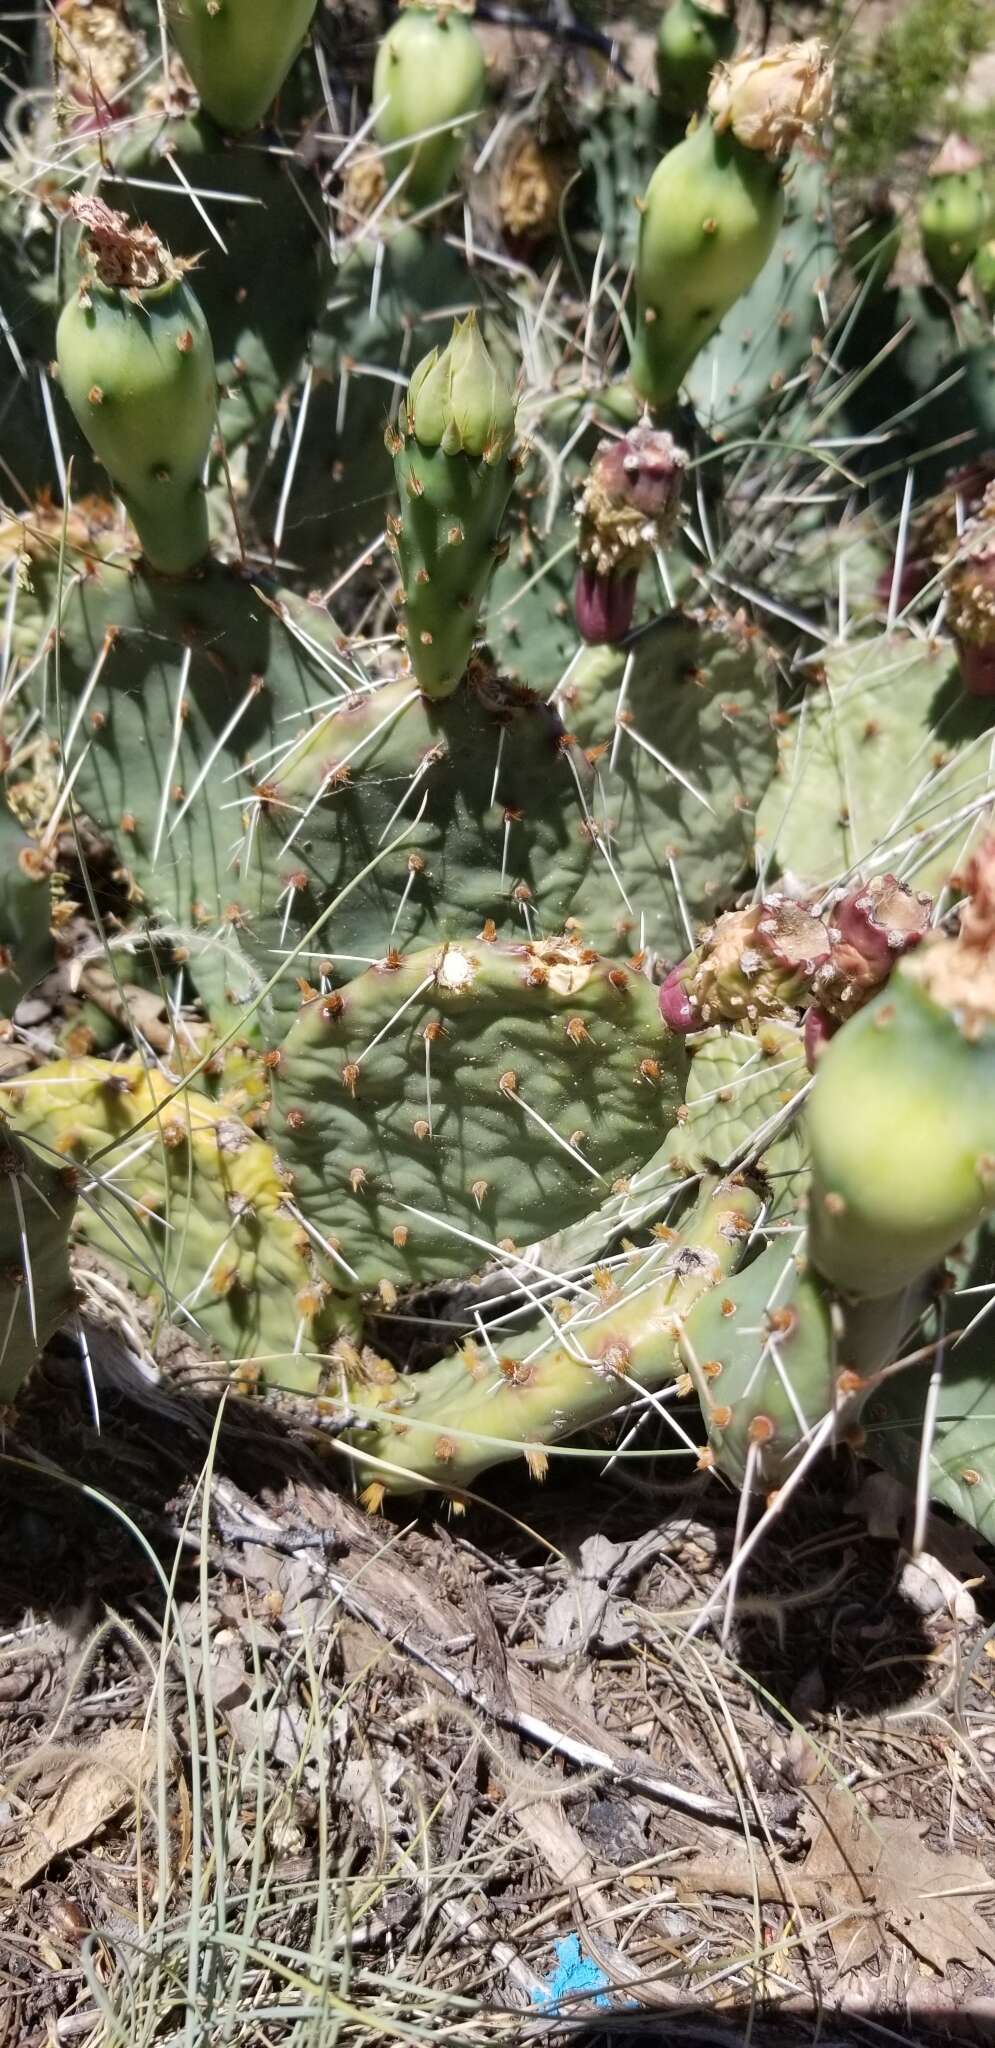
column 25, row 912
column 480, row 1407
column 429, row 76
column 780, row 955
column 238, row 52
column 713, row 208
column 956, row 210
column 628, row 509
column 693, row 36
column 450, row 1099
column 137, row 367
column 970, row 587
column 455, row 468
column 180, row 1194
column 901, row 1119
column 37, row 1199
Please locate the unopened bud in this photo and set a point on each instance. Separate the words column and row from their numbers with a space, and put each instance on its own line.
column 769, row 103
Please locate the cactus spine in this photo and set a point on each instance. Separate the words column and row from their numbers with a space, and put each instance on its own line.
column 137, row 367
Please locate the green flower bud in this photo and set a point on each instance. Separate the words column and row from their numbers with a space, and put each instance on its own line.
column 459, row 402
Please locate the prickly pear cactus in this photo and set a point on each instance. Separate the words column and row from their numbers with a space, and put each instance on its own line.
column 617, row 1337
column 884, row 763
column 457, row 1099
column 679, row 733
column 179, row 1194
column 455, row 468
column 136, row 364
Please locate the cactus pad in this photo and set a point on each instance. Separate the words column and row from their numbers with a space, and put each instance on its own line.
column 471, row 1094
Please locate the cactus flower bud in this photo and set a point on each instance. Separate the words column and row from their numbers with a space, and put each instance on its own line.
column 771, row 102
column 459, row 401
column 692, row 37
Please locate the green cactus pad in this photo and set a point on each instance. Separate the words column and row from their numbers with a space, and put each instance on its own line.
column 238, row 52
column 700, row 693
column 167, row 689
column 479, row 1407
column 484, row 796
column 879, row 769
column 182, row 1196
column 37, row 1199
column 468, row 1094
column 737, row 1108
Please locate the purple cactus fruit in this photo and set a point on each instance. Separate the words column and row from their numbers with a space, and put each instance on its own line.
column 645, row 470
column 882, row 921
column 676, row 1007
column 819, row 1028
column 604, row 605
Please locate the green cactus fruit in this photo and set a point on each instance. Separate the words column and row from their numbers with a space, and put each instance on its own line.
column 37, row 1199
column 179, row 1192
column 429, row 74
column 26, row 951
column 693, row 36
column 901, row 1119
column 983, row 273
column 481, row 1406
column 137, row 367
column 956, row 212
column 238, row 52
column 452, row 1099
column 765, row 340
column 454, row 470
column 713, row 208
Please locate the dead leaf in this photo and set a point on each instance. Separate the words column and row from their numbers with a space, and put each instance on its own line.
column 899, row 1887
column 93, row 1786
